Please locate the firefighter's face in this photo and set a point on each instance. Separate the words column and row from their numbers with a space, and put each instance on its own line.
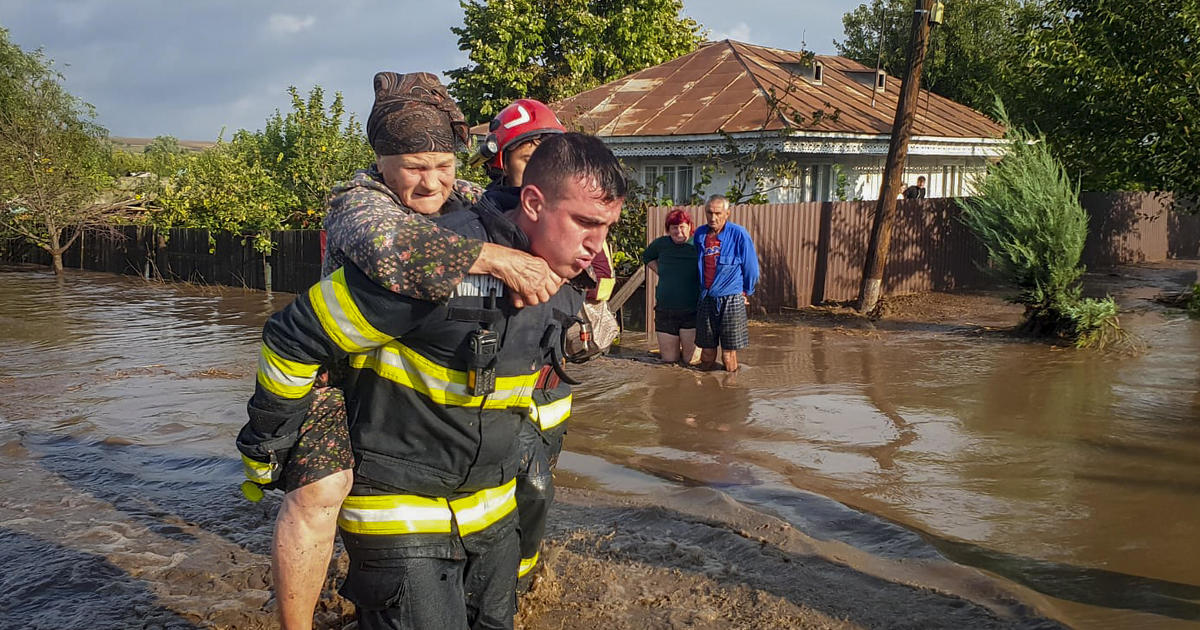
column 567, row 227
column 422, row 181
column 515, row 160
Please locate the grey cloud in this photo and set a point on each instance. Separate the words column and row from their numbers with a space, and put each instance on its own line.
column 189, row 68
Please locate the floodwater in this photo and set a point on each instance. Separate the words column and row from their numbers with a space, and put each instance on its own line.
column 1072, row 475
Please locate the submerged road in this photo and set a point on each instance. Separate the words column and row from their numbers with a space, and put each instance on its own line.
column 1072, row 474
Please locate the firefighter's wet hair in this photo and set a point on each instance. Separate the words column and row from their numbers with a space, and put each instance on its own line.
column 563, row 157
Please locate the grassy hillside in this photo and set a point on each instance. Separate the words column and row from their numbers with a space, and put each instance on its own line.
column 138, row 145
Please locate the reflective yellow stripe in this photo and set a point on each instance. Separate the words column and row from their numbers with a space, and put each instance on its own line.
column 256, row 471
column 340, row 317
column 407, row 514
column 480, row 510
column 283, row 377
column 551, row 414
column 604, row 288
column 395, row 514
column 403, row 365
column 527, row 565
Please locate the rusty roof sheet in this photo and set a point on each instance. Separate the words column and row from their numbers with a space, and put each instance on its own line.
column 725, row 86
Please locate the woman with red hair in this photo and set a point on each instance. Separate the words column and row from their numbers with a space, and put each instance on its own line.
column 673, row 257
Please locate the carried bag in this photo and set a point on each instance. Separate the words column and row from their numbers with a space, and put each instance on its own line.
column 593, row 333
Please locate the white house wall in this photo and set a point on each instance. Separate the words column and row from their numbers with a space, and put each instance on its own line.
column 950, row 165
column 945, row 176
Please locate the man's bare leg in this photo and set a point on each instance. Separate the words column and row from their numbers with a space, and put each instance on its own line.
column 687, row 342
column 303, row 544
column 668, row 347
column 729, row 358
column 708, row 358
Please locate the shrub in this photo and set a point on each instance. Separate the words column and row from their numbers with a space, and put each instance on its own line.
column 1028, row 217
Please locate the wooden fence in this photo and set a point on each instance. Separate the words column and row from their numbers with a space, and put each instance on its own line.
column 809, row 253
column 190, row 255
column 813, row 253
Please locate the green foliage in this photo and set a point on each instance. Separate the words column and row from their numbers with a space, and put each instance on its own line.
column 267, row 180
column 970, row 54
column 471, row 172
column 1095, row 323
column 220, row 190
column 53, row 157
column 1116, row 87
column 308, row 150
column 164, row 156
column 1193, row 301
column 163, row 146
column 1027, row 215
column 551, row 49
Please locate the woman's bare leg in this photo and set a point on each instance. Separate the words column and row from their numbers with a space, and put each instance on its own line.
column 303, row 544
column 668, row 347
column 687, row 343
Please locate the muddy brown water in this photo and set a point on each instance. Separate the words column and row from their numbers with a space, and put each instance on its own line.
column 1072, row 475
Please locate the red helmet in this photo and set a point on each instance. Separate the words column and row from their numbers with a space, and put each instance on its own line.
column 524, row 119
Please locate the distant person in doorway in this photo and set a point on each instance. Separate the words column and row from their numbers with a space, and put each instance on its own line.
column 673, row 257
column 917, row 190
column 728, row 273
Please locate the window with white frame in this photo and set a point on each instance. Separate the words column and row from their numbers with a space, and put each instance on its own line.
column 813, row 182
column 951, row 181
column 669, row 181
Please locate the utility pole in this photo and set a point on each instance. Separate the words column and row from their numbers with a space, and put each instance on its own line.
column 885, row 210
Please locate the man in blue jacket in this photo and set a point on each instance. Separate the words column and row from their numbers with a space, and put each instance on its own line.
column 728, row 273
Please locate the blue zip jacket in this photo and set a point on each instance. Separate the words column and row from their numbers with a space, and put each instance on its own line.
column 737, row 262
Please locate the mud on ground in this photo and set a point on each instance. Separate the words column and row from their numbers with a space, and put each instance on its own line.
column 695, row 559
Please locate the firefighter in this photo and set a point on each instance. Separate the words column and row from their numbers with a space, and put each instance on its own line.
column 513, row 136
column 437, row 397
column 378, row 220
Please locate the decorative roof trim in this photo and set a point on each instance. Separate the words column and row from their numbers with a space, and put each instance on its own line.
column 809, row 143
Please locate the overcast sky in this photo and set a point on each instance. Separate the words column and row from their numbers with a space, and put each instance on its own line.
column 189, row 68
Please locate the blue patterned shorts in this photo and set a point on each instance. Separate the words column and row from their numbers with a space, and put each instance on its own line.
column 722, row 320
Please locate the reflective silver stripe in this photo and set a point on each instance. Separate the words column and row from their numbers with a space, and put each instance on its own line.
column 283, row 377
column 395, row 514
column 444, row 386
column 340, row 317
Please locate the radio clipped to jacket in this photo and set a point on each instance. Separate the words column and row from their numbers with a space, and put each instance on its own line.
column 484, row 346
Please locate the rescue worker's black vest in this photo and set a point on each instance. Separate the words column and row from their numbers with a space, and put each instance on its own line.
column 402, row 443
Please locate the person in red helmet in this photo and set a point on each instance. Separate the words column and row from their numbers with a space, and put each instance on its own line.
column 513, row 136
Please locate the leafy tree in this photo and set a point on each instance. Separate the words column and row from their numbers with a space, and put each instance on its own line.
column 163, row 146
column 971, row 54
column 309, row 149
column 271, row 179
column 1027, row 215
column 1116, row 87
column 53, row 157
column 219, row 189
column 551, row 49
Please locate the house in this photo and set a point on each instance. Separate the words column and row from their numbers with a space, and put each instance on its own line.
column 829, row 115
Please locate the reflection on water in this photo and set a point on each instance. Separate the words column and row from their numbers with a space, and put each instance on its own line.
column 1074, row 474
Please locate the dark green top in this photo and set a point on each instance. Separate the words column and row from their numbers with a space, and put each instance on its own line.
column 678, row 273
